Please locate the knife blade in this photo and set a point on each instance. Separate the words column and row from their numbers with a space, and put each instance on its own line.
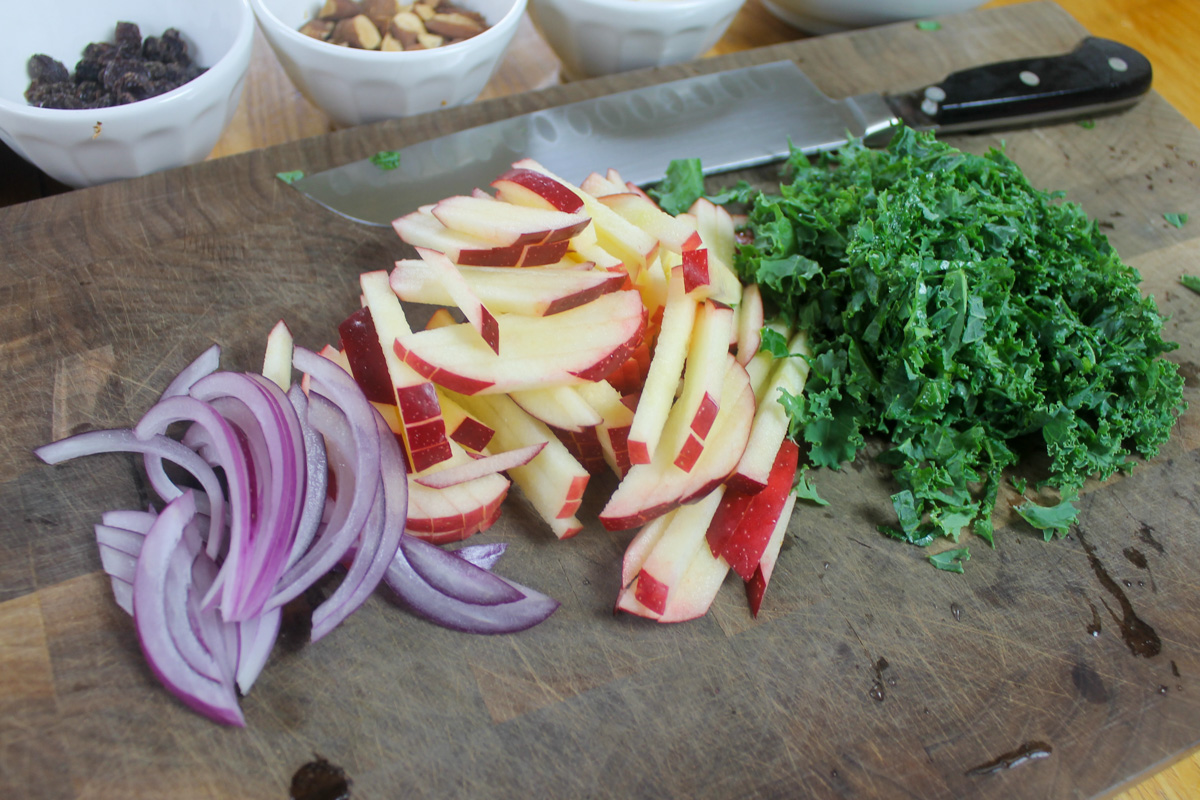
column 731, row 120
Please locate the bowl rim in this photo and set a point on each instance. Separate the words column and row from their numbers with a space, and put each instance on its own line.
column 236, row 59
column 640, row 8
column 355, row 55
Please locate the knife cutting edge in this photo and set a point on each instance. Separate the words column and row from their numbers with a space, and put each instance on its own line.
column 732, row 120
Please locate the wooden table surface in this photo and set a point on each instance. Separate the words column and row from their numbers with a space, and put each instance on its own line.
column 273, row 112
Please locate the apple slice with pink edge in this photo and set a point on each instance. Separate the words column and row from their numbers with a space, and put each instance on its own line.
column 666, row 370
column 424, row 430
column 507, row 224
column 581, row 344
column 650, row 490
column 744, row 524
column 694, row 594
column 703, row 376
column 624, row 240
column 673, row 233
column 750, row 319
column 615, row 419
column 422, row 229
column 463, row 296
column 771, row 420
column 532, row 291
column 553, row 482
column 561, row 407
column 479, row 467
column 456, row 512
column 462, row 428
column 756, row 586
column 527, row 187
column 672, row 552
column 598, row 185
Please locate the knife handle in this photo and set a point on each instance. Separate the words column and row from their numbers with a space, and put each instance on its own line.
column 1098, row 75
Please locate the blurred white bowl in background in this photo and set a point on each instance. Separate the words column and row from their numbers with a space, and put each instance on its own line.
column 600, row 37
column 355, row 86
column 85, row 147
column 830, row 16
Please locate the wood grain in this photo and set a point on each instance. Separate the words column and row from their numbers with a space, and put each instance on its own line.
column 104, row 293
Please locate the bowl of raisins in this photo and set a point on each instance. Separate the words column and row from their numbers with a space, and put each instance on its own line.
column 96, row 92
column 362, row 61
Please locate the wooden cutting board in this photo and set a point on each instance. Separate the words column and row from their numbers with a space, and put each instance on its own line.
column 866, row 674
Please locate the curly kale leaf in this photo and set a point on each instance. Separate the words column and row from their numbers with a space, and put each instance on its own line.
column 954, row 308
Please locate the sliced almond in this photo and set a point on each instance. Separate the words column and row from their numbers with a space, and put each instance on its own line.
column 380, row 12
column 318, row 28
column 429, row 41
column 390, row 44
column 405, row 27
column 340, row 9
column 454, row 25
column 357, row 32
column 423, row 10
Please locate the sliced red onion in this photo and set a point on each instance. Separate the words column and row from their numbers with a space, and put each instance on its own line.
column 483, row 556
column 119, row 551
column 356, row 481
column 267, row 421
column 125, row 441
column 256, row 638
column 451, row 612
column 450, row 574
column 157, row 629
column 316, row 475
column 129, row 519
column 376, row 546
column 227, row 451
column 204, row 364
column 182, row 610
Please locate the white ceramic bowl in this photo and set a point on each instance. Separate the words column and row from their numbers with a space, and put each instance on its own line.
column 358, row 86
column 89, row 147
column 830, row 16
column 600, row 37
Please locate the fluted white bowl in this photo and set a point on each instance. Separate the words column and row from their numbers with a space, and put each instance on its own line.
column 85, row 147
column 831, row 16
column 600, row 37
column 355, row 86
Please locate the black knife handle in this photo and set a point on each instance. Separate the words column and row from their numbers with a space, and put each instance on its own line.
column 1099, row 75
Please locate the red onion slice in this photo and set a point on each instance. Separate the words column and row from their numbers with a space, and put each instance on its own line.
column 450, row 612
column 214, row 699
column 376, row 546
column 483, row 556
column 125, row 441
column 451, row 575
column 130, row 520
column 204, row 364
column 316, row 476
column 256, row 638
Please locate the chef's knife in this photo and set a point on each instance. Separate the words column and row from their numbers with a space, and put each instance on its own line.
column 730, row 120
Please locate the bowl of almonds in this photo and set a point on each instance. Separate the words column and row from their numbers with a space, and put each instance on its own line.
column 362, row 61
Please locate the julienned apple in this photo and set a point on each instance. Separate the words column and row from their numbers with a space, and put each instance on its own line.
column 562, row 288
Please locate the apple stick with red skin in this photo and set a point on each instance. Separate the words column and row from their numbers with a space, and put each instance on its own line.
column 560, row 407
column 756, row 587
column 462, row 428
column 666, row 370
column 668, row 559
column 750, row 320
column 532, row 291
column 650, row 490
column 554, row 481
column 479, row 467
column 422, row 229
column 598, row 186
column 424, row 430
column 506, row 224
column 615, row 420
column 578, row 345
column 527, row 187
column 703, row 377
column 771, row 421
column 759, row 511
column 455, row 512
column 694, row 594
column 624, row 240
column 672, row 233
column 463, row 296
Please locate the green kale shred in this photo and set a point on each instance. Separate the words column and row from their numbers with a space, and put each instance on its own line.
column 960, row 314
